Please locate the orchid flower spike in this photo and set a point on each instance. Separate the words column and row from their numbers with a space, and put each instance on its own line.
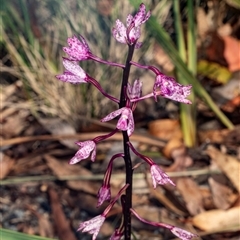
column 130, row 34
column 73, row 74
column 169, row 88
column 125, row 122
column 86, row 148
column 78, row 49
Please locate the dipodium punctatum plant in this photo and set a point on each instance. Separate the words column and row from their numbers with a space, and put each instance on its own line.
column 164, row 86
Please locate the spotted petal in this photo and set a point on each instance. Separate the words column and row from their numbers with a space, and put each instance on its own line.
column 159, row 176
column 78, row 49
column 84, row 152
column 92, row 226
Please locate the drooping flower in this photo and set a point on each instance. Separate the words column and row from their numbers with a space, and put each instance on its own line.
column 104, row 194
column 92, row 226
column 130, row 34
column 78, row 49
column 135, row 91
column 73, row 73
column 169, row 88
column 159, row 176
column 182, row 234
column 86, row 148
column 125, row 122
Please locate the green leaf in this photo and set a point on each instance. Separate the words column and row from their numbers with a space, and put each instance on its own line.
column 165, row 41
column 13, row 235
column 214, row 71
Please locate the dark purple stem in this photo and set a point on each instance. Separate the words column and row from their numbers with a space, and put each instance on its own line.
column 127, row 158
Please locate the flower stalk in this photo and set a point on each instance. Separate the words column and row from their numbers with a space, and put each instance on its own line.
column 130, row 94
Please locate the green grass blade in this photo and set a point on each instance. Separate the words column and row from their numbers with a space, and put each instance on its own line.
column 179, row 30
column 165, row 41
column 13, row 235
column 187, row 116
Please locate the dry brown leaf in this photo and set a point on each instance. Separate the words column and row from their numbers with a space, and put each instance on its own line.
column 7, row 91
column 168, row 202
column 149, row 213
column 171, row 145
column 232, row 52
column 62, row 224
column 6, row 165
column 191, row 195
column 218, row 220
column 165, row 129
column 207, row 198
column 203, row 25
column 45, row 227
column 61, row 168
column 14, row 124
column 57, row 126
column 223, row 196
column 216, row 136
column 228, row 164
column 232, row 104
column 181, row 159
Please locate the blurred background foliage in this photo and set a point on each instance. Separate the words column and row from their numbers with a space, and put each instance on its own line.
column 34, row 32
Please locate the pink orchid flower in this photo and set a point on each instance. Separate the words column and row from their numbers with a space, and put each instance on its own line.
column 135, row 91
column 93, row 225
column 86, row 148
column 159, row 176
column 169, row 88
column 130, row 34
column 73, row 74
column 78, row 49
column 125, row 122
column 104, row 194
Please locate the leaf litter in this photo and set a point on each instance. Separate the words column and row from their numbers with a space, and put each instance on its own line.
column 206, row 202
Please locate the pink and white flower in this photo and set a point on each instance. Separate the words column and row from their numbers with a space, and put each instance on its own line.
column 182, row 234
column 104, row 194
column 130, row 34
column 125, row 122
column 93, row 225
column 78, row 49
column 169, row 88
column 159, row 176
column 135, row 91
column 73, row 74
column 84, row 152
